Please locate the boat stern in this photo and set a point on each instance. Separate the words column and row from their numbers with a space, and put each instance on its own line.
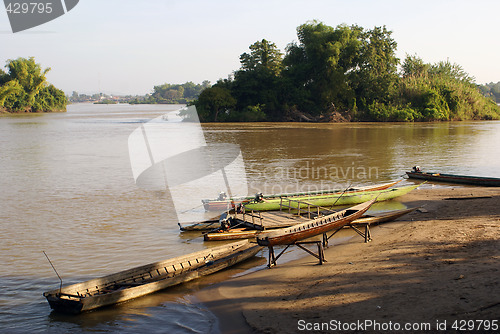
column 63, row 305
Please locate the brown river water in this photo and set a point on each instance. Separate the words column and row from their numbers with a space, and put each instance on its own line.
column 67, row 188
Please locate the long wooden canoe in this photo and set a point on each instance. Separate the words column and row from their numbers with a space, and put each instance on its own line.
column 211, row 224
column 225, row 204
column 382, row 217
column 348, row 198
column 245, row 233
column 147, row 279
column 233, row 234
column 290, row 235
column 451, row 178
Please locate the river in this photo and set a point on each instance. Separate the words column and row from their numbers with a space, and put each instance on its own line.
column 67, row 188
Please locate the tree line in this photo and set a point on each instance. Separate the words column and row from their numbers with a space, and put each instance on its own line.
column 491, row 90
column 24, row 88
column 172, row 93
column 343, row 73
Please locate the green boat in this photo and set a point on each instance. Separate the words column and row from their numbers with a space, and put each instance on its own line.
column 347, row 198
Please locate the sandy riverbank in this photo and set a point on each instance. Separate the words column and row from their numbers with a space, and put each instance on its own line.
column 442, row 264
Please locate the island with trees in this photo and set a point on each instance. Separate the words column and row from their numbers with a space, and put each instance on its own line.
column 172, row 93
column 343, row 73
column 24, row 88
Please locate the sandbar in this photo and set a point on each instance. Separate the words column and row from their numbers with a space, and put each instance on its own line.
column 438, row 265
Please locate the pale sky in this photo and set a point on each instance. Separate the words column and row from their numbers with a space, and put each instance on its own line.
column 127, row 47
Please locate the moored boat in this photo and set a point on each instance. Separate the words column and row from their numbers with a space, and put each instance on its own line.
column 290, row 235
column 140, row 281
column 382, row 217
column 347, row 198
column 200, row 226
column 233, row 234
column 245, row 233
column 222, row 203
column 451, row 178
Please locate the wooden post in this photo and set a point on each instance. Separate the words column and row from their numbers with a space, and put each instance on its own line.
column 272, row 259
column 321, row 253
column 368, row 235
column 325, row 240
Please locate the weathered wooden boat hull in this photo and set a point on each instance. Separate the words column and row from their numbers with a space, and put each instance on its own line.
column 234, row 235
column 218, row 205
column 201, row 226
column 365, row 219
column 140, row 281
column 382, row 218
column 290, row 235
column 460, row 179
column 336, row 199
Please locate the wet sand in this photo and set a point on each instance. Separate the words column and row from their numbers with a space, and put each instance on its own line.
column 441, row 263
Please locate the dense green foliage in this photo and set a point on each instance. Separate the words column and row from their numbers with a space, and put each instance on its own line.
column 172, row 93
column 342, row 73
column 24, row 88
column 442, row 91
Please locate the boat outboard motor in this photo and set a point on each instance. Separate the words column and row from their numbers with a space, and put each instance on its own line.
column 258, row 197
column 239, row 208
column 225, row 221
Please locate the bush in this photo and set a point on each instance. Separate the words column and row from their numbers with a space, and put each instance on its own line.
column 249, row 114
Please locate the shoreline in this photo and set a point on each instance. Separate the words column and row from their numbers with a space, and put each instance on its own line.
column 29, row 113
column 438, row 265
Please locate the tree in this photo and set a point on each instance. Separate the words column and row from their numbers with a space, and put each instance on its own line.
column 256, row 83
column 50, row 98
column 212, row 102
column 376, row 75
column 452, row 71
column 320, row 64
column 491, row 90
column 9, row 90
column 442, row 91
column 24, row 88
column 4, row 77
column 263, row 55
column 29, row 75
column 414, row 66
